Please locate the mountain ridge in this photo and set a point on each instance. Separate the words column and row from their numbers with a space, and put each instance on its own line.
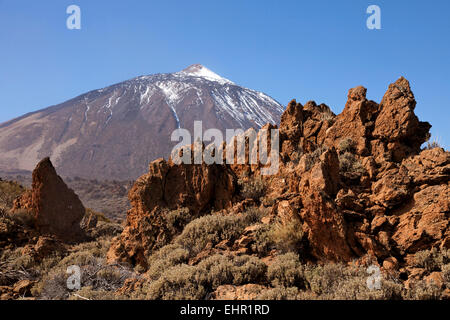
column 115, row 131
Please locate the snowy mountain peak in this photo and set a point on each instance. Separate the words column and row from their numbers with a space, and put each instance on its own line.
column 198, row 70
column 114, row 132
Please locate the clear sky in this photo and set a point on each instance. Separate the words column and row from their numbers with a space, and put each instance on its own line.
column 308, row 50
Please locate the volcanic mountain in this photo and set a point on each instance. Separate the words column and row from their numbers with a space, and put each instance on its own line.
column 114, row 132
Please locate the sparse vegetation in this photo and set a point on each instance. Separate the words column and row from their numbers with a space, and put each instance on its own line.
column 286, row 271
column 431, row 144
column 349, row 165
column 215, row 228
column 9, row 191
column 432, row 260
column 340, row 282
column 108, row 197
column 183, row 281
column 327, row 116
column 22, row 217
column 346, row 145
column 312, row 158
column 287, row 237
column 252, row 188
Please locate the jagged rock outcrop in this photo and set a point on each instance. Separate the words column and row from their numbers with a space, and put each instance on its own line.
column 55, row 209
column 396, row 125
column 357, row 183
column 355, row 122
column 303, row 127
column 380, row 195
column 168, row 186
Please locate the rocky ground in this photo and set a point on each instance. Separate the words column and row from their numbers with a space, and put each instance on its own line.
column 353, row 191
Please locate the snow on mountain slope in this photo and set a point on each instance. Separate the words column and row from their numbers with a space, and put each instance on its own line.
column 197, row 70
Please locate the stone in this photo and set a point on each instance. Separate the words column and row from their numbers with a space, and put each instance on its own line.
column 55, row 208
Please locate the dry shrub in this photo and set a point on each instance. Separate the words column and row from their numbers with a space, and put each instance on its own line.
column 279, row 293
column 106, row 230
column 215, row 228
column 432, row 260
column 346, row 145
column 22, row 217
column 100, row 216
column 340, row 282
column 184, row 282
column 431, row 144
column 176, row 220
column 288, row 236
column 177, row 283
column 312, row 158
column 349, row 164
column 446, row 274
column 9, row 191
column 286, row 271
column 96, row 276
column 219, row 270
column 253, row 188
column 165, row 258
column 89, row 293
column 328, row 116
column 422, row 290
column 263, row 241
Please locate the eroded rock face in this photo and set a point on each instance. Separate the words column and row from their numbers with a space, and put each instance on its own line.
column 396, row 126
column 379, row 194
column 355, row 122
column 424, row 221
column 168, row 186
column 55, row 208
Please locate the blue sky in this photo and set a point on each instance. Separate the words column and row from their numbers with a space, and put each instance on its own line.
column 308, row 50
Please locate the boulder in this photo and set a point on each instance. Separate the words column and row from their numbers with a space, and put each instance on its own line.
column 55, row 208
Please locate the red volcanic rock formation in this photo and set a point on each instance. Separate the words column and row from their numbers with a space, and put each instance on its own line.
column 56, row 209
column 381, row 195
column 357, row 183
column 168, row 186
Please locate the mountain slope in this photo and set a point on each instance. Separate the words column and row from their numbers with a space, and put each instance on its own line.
column 116, row 131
